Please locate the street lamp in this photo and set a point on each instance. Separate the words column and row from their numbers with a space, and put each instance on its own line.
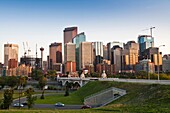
column 158, row 60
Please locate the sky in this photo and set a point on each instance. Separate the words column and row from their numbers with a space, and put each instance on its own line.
column 42, row 22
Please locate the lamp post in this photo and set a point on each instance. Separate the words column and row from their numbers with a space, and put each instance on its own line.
column 158, row 60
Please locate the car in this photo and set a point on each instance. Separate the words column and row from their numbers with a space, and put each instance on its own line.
column 85, row 106
column 59, row 104
column 18, row 105
column 25, row 103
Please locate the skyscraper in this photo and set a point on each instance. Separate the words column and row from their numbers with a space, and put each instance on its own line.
column 110, row 45
column 130, row 55
column 11, row 55
column 69, row 52
column 69, row 34
column 98, row 49
column 85, row 54
column 77, row 40
column 70, row 57
column 145, row 41
column 116, row 53
column 55, row 56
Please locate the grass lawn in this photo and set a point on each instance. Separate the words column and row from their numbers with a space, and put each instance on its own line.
column 52, row 99
column 140, row 98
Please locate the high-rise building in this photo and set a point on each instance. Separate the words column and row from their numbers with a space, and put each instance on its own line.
column 116, row 53
column 69, row 54
column 98, row 49
column 11, row 55
column 55, row 55
column 145, row 41
column 105, row 52
column 77, row 40
column 154, row 55
column 85, row 55
column 69, row 34
column 70, row 57
column 110, row 45
column 130, row 55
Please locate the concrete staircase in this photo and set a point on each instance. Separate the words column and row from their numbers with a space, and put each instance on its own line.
column 104, row 97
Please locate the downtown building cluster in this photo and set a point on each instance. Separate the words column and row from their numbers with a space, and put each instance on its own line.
column 76, row 54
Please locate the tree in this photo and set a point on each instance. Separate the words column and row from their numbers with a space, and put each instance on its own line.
column 8, row 98
column 22, row 81
column 68, row 86
column 42, row 83
column 11, row 81
column 2, row 82
column 36, row 74
column 30, row 98
column 52, row 74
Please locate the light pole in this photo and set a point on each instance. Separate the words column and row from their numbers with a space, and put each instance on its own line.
column 158, row 60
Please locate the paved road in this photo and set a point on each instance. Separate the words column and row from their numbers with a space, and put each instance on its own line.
column 47, row 106
column 52, row 106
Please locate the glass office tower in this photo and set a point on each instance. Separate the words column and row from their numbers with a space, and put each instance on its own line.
column 77, row 40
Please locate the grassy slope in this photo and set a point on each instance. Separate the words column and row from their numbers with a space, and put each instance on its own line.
column 139, row 98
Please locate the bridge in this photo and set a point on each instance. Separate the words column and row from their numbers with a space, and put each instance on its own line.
column 83, row 81
column 80, row 81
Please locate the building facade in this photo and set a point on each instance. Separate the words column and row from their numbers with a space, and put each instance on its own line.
column 98, row 52
column 77, row 40
column 130, row 56
column 85, row 54
column 110, row 46
column 55, row 54
column 69, row 34
column 155, row 56
column 166, row 63
column 70, row 57
column 11, row 55
column 145, row 41
column 116, row 53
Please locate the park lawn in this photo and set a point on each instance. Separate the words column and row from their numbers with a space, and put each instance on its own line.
column 140, row 97
column 52, row 99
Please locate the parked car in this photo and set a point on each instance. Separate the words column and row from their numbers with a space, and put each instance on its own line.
column 18, row 105
column 59, row 104
column 85, row 106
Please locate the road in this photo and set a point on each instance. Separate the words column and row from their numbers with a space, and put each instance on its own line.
column 47, row 106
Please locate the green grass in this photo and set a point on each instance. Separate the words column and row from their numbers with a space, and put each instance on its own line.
column 139, row 97
column 52, row 99
column 75, row 97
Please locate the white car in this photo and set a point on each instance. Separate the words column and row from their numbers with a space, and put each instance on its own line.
column 59, row 104
column 18, row 105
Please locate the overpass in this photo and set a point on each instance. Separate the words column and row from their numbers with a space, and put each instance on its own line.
column 83, row 81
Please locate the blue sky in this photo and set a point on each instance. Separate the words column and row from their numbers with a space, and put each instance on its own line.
column 43, row 21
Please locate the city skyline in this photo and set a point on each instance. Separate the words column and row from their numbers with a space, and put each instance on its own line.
column 42, row 22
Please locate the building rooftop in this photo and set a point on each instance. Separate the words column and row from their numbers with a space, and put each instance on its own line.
column 69, row 29
column 55, row 44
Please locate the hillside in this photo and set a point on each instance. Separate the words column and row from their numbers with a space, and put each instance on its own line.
column 139, row 98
